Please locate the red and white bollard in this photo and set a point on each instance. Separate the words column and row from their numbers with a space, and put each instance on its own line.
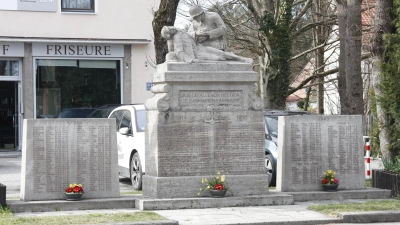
column 367, row 160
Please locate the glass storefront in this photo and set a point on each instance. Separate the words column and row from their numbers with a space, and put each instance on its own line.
column 65, row 83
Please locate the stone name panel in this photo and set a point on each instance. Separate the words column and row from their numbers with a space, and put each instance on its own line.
column 58, row 152
column 313, row 144
column 212, row 144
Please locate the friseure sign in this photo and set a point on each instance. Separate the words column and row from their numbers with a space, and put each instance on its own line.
column 77, row 50
column 29, row 5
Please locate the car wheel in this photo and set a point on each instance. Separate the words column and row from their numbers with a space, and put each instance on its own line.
column 269, row 169
column 136, row 172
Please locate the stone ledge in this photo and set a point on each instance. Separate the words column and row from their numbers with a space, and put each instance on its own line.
column 368, row 193
column 211, row 66
column 370, row 216
column 18, row 206
column 208, row 202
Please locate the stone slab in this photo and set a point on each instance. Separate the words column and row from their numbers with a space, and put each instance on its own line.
column 220, row 66
column 207, row 202
column 189, row 186
column 370, row 217
column 58, row 152
column 125, row 202
column 368, row 193
column 204, row 76
column 314, row 144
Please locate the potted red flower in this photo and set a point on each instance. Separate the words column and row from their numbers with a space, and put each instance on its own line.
column 329, row 182
column 74, row 192
column 216, row 186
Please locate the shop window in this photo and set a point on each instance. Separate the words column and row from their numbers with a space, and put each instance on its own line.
column 67, row 83
column 77, row 5
column 9, row 68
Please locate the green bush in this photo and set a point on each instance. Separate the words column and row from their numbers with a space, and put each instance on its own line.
column 392, row 165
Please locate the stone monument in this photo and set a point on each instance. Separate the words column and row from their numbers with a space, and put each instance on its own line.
column 58, row 152
column 204, row 118
column 313, row 144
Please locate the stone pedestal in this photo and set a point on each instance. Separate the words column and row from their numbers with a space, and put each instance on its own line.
column 204, row 118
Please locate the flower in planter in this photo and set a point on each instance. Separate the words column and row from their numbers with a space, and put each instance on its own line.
column 74, row 188
column 329, row 177
column 214, row 183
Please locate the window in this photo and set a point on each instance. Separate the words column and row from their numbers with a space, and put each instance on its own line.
column 9, row 68
column 73, row 83
column 77, row 5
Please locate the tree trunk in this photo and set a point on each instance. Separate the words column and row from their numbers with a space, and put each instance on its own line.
column 354, row 83
column 164, row 16
column 321, row 34
column 383, row 24
column 342, row 17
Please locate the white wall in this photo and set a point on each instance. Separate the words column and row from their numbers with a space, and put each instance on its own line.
column 114, row 19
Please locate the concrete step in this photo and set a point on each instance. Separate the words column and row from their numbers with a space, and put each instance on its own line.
column 368, row 193
column 123, row 202
column 143, row 203
column 208, row 202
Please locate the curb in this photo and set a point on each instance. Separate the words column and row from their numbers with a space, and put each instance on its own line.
column 370, row 216
column 159, row 222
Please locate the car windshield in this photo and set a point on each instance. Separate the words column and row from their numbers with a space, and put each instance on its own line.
column 272, row 125
column 76, row 113
column 140, row 120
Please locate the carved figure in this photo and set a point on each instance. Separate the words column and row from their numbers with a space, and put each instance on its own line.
column 207, row 28
column 183, row 48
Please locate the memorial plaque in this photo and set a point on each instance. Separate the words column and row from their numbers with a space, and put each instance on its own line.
column 196, row 99
column 313, row 144
column 58, row 152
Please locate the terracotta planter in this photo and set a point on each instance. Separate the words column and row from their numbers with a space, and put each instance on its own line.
column 330, row 187
column 218, row 193
column 73, row 196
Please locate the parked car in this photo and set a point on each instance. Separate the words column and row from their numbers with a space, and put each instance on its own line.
column 80, row 112
column 271, row 139
column 130, row 124
column 103, row 111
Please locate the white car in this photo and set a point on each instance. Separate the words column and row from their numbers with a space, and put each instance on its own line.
column 131, row 121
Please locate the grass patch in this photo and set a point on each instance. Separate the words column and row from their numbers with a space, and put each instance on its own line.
column 368, row 182
column 5, row 212
column 13, row 198
column 82, row 219
column 379, row 205
column 272, row 188
column 131, row 193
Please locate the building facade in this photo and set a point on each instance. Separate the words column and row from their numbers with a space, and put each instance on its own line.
column 56, row 54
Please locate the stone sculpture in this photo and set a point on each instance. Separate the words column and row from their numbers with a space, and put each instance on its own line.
column 183, row 48
column 207, row 28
